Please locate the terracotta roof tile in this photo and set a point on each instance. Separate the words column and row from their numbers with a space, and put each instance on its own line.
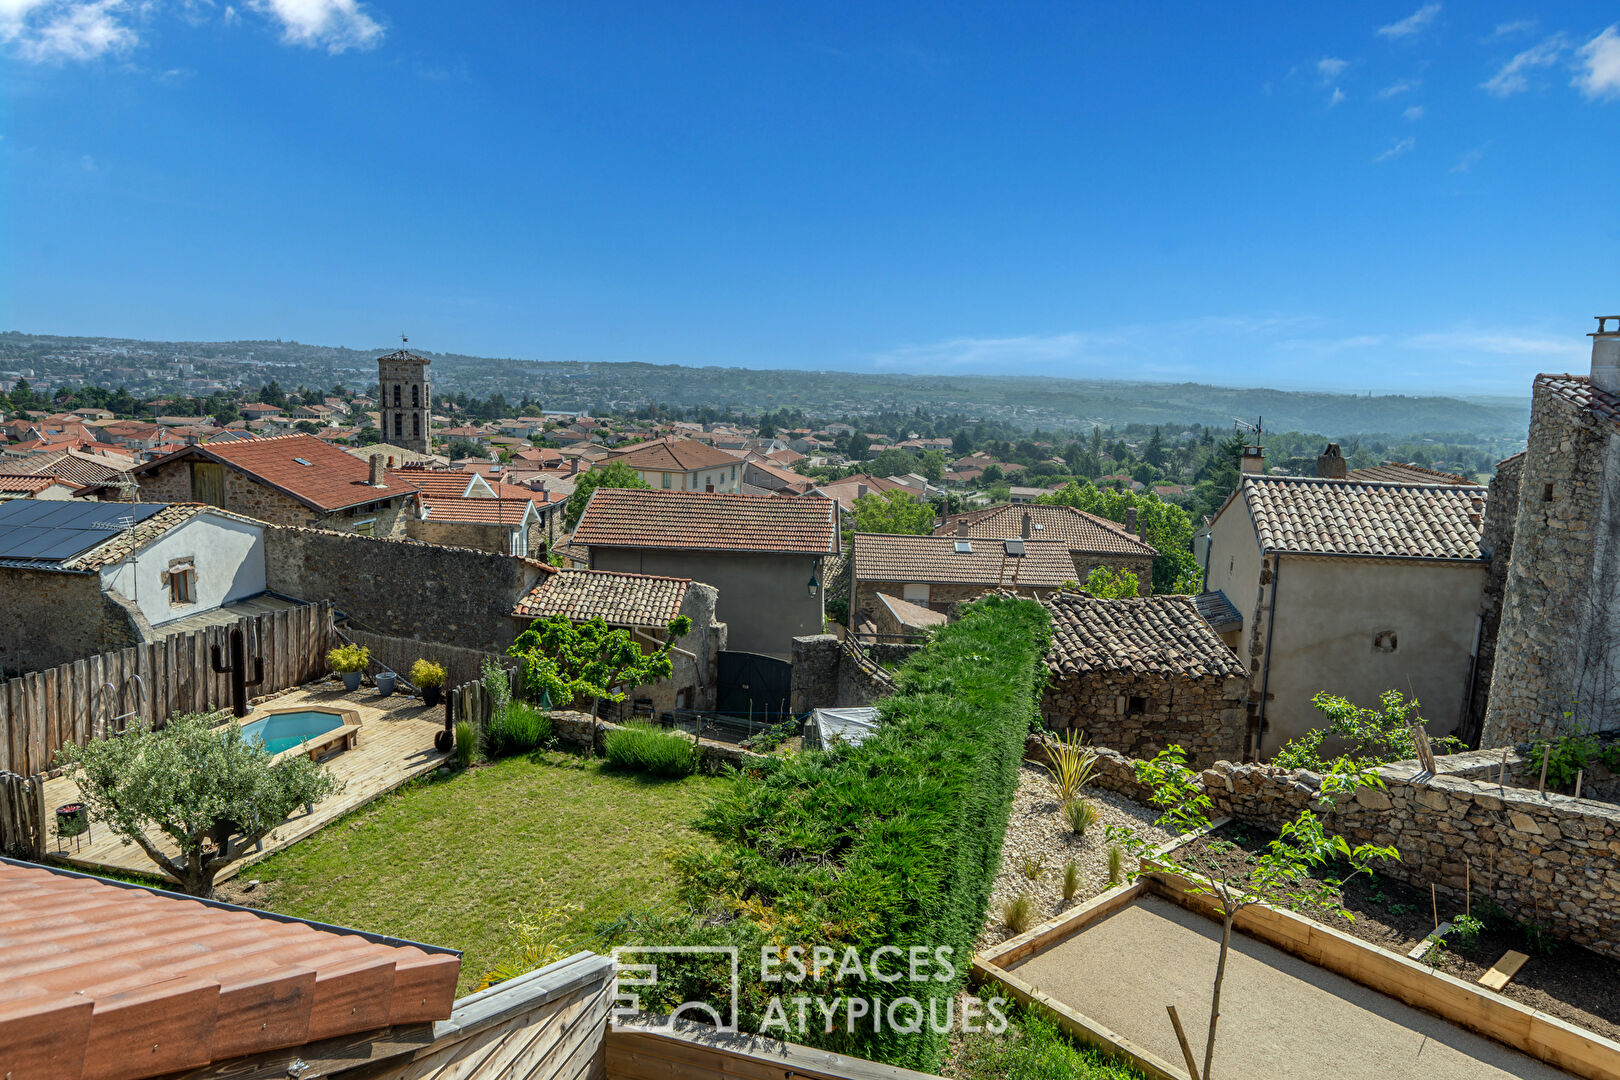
column 1079, row 530
column 133, row 540
column 1306, row 515
column 332, row 479
column 1401, row 472
column 675, row 455
column 485, row 511
column 1144, row 635
column 1045, row 564
column 1578, row 390
column 615, row 598
column 95, row 968
column 700, row 521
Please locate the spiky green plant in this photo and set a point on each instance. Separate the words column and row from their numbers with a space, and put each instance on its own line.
column 1116, row 864
column 1072, row 765
column 1071, row 879
column 1018, row 913
column 1080, row 815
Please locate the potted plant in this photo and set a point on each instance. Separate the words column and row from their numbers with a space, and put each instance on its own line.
column 349, row 661
column 428, row 677
column 385, row 683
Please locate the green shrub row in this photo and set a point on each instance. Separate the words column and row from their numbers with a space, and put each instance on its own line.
column 895, row 842
column 641, row 747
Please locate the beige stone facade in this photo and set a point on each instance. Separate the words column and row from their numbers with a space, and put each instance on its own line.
column 404, row 400
column 1139, row 716
column 172, row 482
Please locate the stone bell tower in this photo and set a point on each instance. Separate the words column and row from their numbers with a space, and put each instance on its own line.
column 402, row 385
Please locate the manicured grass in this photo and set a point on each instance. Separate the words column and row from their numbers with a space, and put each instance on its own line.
column 453, row 861
column 1032, row 1048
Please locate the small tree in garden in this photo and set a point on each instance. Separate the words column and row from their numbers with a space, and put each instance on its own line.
column 211, row 791
column 1112, row 584
column 571, row 662
column 1280, row 875
column 1372, row 736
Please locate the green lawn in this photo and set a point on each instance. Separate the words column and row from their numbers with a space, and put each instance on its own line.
column 452, row 860
column 1032, row 1048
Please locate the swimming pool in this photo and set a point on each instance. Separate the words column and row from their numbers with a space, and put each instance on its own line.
column 283, row 731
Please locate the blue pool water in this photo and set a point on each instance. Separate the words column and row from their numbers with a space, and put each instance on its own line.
column 286, row 730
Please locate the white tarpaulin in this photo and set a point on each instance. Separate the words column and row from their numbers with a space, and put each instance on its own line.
column 849, row 725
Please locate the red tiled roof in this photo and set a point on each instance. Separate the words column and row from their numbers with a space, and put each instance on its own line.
column 483, row 511
column 616, row 598
column 675, row 455
column 701, row 521
column 1045, row 564
column 332, row 479
column 70, row 465
column 122, row 982
column 1399, row 472
column 1077, row 529
column 28, row 484
column 1310, row 516
column 455, row 482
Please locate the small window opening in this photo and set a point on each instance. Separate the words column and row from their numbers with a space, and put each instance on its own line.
column 1136, row 704
column 183, row 584
column 1546, row 493
column 396, row 396
column 1385, row 641
column 366, row 527
column 416, row 396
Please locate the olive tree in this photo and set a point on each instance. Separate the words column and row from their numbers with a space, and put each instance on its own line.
column 197, row 781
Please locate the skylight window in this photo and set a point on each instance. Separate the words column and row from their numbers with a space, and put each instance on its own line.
column 964, row 547
column 300, row 461
column 1015, row 547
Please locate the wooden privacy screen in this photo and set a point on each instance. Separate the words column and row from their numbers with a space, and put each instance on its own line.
column 45, row 710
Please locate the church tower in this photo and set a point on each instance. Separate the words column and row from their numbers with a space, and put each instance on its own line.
column 402, row 386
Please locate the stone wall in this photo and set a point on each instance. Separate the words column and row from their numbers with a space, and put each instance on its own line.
column 1559, row 642
column 940, row 597
column 48, row 618
column 401, row 588
column 476, row 535
column 399, row 653
column 248, row 497
column 1496, row 542
column 582, row 733
column 1141, row 715
column 828, row 672
column 1548, row 859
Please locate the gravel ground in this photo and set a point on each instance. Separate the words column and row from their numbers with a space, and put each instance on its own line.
column 1037, row 830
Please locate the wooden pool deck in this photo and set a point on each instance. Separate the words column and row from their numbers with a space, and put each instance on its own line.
column 396, row 744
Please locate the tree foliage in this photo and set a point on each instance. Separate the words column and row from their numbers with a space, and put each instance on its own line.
column 1371, row 736
column 1164, row 525
column 213, row 792
column 1110, row 584
column 615, row 474
column 893, row 511
column 572, row 662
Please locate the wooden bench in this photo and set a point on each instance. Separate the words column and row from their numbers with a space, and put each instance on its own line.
column 346, row 737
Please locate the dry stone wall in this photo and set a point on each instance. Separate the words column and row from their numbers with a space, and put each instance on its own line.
column 1140, row 716
column 1496, row 542
column 1548, row 859
column 828, row 672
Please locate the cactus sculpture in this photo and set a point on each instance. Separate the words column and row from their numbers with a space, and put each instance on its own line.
column 237, row 670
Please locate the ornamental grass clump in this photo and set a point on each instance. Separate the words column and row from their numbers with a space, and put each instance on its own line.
column 1071, row 879
column 641, row 747
column 1080, row 815
column 1018, row 913
column 515, row 728
column 466, row 743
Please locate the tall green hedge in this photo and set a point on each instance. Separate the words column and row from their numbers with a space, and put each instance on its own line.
column 894, row 842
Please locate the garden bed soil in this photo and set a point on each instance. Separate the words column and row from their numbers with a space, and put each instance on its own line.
column 1563, row 980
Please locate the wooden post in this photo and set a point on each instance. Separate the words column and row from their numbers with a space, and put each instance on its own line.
column 1578, row 774
column 1435, row 902
column 1546, row 754
column 1181, row 1037
column 1468, row 888
column 1501, row 772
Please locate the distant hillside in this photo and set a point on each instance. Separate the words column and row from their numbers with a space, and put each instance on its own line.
column 1025, row 400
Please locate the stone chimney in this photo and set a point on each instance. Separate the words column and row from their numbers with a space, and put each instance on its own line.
column 1254, row 461
column 962, row 527
column 1606, row 354
column 860, row 489
column 379, row 474
column 1330, row 464
column 1130, row 520
column 573, row 466
column 1024, row 528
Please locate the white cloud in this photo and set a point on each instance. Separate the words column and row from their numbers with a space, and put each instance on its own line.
column 1412, row 24
column 333, row 25
column 1599, row 61
column 1468, row 159
column 57, row 30
column 1402, row 147
column 1413, row 113
column 1497, row 343
column 1330, row 68
column 1514, row 28
column 1513, row 77
column 1395, row 89
column 1338, row 96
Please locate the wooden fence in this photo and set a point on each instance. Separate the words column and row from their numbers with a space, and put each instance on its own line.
column 45, row 710
column 22, row 815
column 475, row 704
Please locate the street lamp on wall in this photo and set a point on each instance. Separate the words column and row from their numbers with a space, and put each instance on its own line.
column 813, row 585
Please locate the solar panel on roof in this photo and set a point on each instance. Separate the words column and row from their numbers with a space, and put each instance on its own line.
column 51, row 532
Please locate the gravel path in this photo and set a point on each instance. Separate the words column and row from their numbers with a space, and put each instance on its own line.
column 1037, row 830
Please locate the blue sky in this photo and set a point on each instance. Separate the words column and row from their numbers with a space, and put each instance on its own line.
column 1406, row 196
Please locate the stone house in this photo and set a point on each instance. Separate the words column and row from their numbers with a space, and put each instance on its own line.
column 82, row 578
column 683, row 465
column 1092, row 541
column 1555, row 575
column 939, row 572
column 763, row 553
column 1352, row 588
column 644, row 604
column 284, row 480
column 458, row 508
column 1142, row 674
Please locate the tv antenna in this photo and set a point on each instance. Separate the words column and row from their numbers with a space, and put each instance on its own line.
column 403, row 340
column 1243, row 425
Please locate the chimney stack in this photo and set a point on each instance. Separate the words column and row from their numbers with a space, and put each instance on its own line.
column 1606, row 354
column 962, row 527
column 860, row 489
column 573, row 466
column 1330, row 465
column 379, row 464
column 1130, row 520
column 1024, row 531
column 1254, row 461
